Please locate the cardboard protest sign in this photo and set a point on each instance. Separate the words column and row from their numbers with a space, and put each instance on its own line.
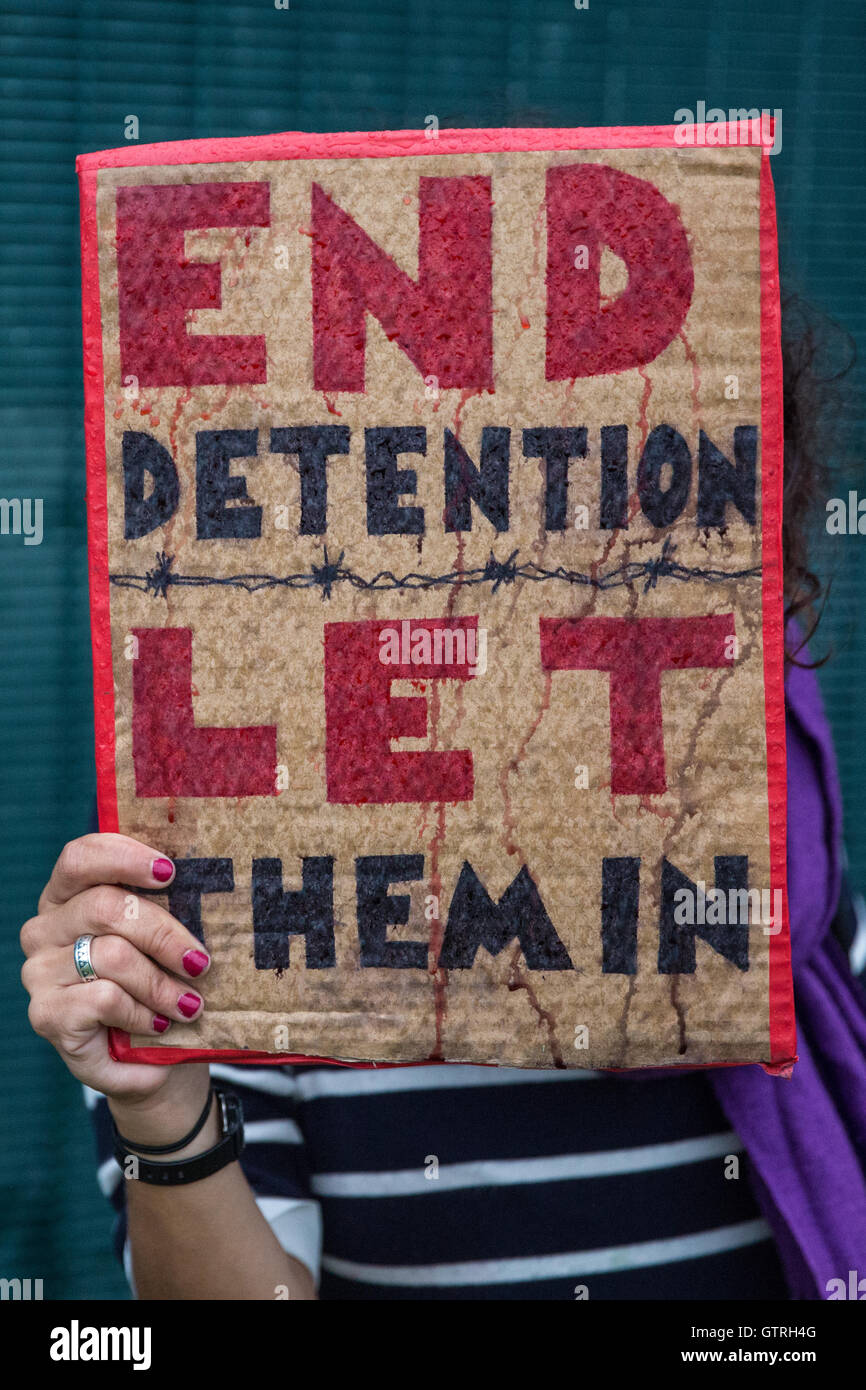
column 435, row 536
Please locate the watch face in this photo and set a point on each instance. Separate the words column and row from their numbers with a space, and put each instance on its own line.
column 231, row 1112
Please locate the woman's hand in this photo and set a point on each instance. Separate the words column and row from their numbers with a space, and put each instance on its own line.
column 144, row 958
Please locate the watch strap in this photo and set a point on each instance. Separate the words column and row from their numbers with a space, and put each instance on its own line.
column 178, row 1173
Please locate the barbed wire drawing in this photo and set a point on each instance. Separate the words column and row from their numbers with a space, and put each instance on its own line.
column 332, row 573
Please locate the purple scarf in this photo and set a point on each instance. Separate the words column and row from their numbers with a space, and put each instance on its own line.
column 806, row 1136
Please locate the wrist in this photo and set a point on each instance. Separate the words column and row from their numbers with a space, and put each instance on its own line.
column 187, row 1146
column 168, row 1114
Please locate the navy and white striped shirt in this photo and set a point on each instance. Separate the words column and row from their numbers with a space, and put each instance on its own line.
column 462, row 1182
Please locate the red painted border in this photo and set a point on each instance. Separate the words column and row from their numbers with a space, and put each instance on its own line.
column 97, row 508
column 120, row 1050
column 119, row 1047
column 390, row 144
column 783, row 1027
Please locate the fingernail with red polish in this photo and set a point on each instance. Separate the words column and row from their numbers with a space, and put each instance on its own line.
column 162, row 870
column 189, row 1004
column 160, row 1023
column 194, row 962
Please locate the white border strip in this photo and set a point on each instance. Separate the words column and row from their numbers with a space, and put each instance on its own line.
column 510, row 1171
column 575, row 1264
column 368, row 1082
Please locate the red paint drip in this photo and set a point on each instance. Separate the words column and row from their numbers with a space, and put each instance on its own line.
column 220, row 406
column 539, row 225
column 183, row 398
column 458, row 582
column 437, row 931
column 519, row 980
column 511, row 845
column 643, row 421
column 464, row 397
column 440, row 977
column 647, row 802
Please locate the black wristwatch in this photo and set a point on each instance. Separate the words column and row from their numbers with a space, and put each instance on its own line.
column 227, row 1148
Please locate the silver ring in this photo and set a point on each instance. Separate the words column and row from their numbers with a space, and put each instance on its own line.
column 81, row 958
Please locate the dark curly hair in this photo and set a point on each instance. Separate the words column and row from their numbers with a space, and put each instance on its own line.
column 817, row 354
